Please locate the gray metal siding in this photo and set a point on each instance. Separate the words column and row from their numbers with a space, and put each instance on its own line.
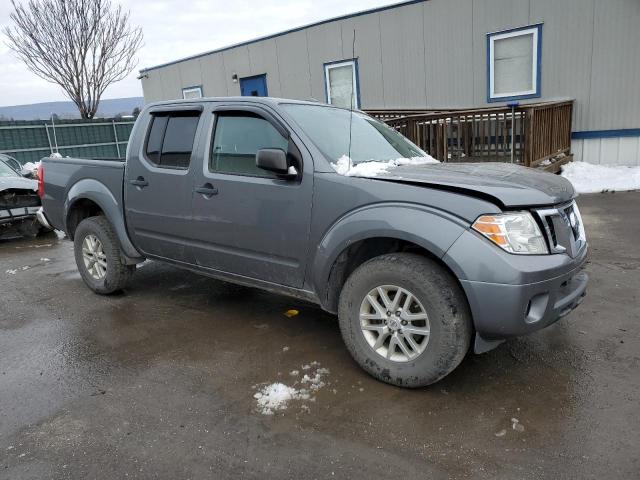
column 214, row 76
column 566, row 52
column 451, row 46
column 325, row 45
column 293, row 65
column 433, row 54
column 403, row 58
column 368, row 51
column 614, row 98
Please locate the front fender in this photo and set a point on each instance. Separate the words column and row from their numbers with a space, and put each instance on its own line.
column 97, row 192
column 432, row 229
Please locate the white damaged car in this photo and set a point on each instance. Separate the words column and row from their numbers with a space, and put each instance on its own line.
column 19, row 204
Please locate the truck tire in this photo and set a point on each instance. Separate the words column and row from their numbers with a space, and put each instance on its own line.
column 98, row 256
column 404, row 319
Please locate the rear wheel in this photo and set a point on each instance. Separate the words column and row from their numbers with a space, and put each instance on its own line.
column 99, row 258
column 404, row 319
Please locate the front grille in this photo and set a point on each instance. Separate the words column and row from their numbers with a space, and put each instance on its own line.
column 16, row 198
column 564, row 229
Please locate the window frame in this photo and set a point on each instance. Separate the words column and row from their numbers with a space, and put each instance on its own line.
column 536, row 71
column 192, row 88
column 248, row 110
column 355, row 79
column 197, row 112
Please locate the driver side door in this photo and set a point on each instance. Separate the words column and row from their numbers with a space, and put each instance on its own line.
column 251, row 222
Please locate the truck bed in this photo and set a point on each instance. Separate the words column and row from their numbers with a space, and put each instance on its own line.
column 62, row 175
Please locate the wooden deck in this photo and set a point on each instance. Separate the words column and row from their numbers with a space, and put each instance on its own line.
column 534, row 135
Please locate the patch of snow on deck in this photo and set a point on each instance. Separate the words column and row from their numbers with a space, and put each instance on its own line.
column 590, row 178
column 345, row 166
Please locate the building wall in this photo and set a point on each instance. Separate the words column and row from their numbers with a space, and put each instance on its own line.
column 432, row 54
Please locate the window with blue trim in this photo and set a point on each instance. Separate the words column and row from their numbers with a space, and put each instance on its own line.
column 514, row 64
column 341, row 83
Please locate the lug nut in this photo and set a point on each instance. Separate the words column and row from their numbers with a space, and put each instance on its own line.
column 404, row 322
column 398, row 313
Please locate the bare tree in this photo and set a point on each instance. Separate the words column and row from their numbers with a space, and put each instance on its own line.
column 82, row 45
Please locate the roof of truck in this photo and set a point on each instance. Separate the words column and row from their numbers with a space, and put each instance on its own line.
column 271, row 101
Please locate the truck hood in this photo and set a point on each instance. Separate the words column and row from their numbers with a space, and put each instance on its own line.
column 18, row 183
column 508, row 185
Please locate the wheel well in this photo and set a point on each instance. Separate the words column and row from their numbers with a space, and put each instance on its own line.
column 81, row 209
column 358, row 253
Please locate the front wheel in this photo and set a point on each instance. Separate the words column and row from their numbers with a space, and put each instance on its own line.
column 98, row 256
column 404, row 319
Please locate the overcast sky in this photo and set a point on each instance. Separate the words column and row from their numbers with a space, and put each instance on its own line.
column 175, row 29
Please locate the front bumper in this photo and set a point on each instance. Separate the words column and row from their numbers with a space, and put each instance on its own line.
column 10, row 215
column 512, row 295
column 502, row 311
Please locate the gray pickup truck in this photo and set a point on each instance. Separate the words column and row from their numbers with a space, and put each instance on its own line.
column 421, row 260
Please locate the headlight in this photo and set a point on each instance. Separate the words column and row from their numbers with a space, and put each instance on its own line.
column 515, row 232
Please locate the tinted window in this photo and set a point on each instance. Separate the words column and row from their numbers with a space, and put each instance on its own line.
column 171, row 139
column 154, row 142
column 236, row 141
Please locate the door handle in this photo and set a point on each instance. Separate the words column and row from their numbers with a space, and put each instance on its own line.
column 207, row 190
column 139, row 182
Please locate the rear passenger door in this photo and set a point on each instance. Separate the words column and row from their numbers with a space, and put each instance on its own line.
column 251, row 222
column 159, row 185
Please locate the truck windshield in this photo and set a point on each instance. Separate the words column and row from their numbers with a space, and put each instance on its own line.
column 6, row 171
column 371, row 140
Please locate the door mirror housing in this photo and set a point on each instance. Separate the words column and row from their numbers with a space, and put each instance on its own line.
column 274, row 160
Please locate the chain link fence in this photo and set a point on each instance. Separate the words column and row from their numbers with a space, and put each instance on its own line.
column 29, row 141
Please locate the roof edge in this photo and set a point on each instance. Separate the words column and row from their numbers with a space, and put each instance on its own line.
column 285, row 32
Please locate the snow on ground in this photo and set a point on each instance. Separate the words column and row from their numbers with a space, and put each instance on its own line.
column 277, row 396
column 589, row 178
column 344, row 165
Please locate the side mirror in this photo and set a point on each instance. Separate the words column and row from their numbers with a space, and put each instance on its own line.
column 274, row 160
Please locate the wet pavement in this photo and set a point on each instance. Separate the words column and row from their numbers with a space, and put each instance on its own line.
column 158, row 382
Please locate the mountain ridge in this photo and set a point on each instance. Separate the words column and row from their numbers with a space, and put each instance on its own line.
column 108, row 108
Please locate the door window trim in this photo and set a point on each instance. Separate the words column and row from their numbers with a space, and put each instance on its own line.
column 266, row 115
column 161, row 110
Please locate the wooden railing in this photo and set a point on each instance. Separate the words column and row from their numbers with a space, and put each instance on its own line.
column 532, row 135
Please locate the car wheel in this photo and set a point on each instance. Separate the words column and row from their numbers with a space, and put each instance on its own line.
column 404, row 319
column 98, row 256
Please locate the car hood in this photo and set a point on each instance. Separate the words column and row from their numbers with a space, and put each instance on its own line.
column 18, row 182
column 507, row 184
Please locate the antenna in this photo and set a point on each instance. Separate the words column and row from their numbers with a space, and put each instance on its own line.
column 353, row 56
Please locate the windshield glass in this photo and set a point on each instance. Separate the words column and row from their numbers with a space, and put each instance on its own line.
column 6, row 171
column 371, row 140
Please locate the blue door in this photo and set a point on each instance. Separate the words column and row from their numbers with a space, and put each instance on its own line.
column 255, row 86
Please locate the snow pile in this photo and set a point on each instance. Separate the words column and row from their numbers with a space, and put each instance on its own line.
column 30, row 167
column 589, row 178
column 277, row 396
column 344, row 165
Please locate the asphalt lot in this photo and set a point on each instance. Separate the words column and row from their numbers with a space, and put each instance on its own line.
column 158, row 382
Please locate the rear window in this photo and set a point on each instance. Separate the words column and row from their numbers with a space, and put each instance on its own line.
column 170, row 139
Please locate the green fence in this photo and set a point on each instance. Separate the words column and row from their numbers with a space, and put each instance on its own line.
column 29, row 141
